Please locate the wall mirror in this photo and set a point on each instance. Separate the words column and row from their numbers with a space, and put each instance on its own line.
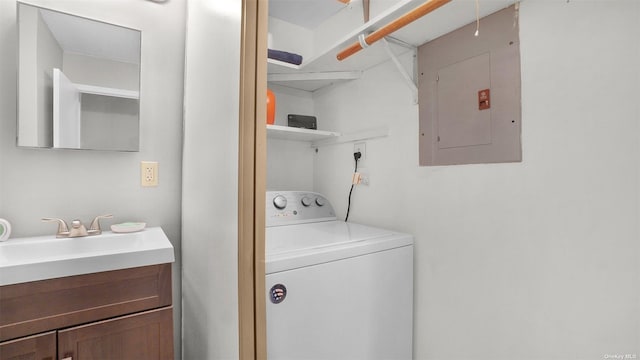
column 79, row 82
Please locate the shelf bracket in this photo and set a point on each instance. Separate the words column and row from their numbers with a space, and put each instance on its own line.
column 405, row 75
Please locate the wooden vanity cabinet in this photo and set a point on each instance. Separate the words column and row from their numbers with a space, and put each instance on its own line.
column 36, row 347
column 138, row 336
column 121, row 314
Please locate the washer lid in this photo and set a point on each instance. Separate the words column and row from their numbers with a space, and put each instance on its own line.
column 294, row 246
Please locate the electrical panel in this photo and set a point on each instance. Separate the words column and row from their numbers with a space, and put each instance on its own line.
column 469, row 94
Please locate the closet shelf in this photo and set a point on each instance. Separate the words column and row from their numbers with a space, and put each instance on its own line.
column 105, row 91
column 441, row 21
column 298, row 134
column 312, row 81
column 356, row 136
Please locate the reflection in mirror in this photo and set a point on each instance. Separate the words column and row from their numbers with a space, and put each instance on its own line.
column 79, row 82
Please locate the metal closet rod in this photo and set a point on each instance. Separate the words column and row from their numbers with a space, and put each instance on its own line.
column 395, row 25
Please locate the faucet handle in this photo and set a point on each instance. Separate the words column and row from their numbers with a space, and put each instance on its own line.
column 94, row 228
column 63, row 229
column 77, row 229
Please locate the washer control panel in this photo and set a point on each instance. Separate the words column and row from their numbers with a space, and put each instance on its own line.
column 292, row 207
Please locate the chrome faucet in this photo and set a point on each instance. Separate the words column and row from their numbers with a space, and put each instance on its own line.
column 77, row 229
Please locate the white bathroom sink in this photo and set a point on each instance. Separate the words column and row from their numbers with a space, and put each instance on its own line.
column 48, row 257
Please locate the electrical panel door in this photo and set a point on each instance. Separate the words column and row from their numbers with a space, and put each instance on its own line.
column 469, row 94
column 460, row 122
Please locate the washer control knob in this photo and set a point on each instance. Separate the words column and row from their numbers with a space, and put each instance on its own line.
column 320, row 201
column 306, row 201
column 280, row 202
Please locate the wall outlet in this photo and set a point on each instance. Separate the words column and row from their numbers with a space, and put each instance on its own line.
column 149, row 173
column 360, row 179
column 362, row 148
column 364, row 179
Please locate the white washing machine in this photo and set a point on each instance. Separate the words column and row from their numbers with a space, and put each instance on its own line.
column 335, row 289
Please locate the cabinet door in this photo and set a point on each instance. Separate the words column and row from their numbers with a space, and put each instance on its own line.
column 37, row 347
column 142, row 336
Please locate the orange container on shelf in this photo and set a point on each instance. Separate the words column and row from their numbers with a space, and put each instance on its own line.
column 271, row 107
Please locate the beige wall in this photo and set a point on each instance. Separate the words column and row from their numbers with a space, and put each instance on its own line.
column 83, row 184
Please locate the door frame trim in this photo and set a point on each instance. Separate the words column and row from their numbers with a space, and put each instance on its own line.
column 252, row 180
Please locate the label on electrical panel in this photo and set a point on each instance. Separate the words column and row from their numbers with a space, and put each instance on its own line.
column 484, row 96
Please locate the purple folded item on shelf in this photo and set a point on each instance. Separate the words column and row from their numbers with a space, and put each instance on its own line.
column 284, row 56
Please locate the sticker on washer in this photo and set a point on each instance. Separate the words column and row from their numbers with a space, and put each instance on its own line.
column 277, row 293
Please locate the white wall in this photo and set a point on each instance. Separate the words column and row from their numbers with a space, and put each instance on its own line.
column 210, row 180
column 297, row 38
column 531, row 260
column 109, row 122
column 282, row 153
column 28, row 70
column 82, row 184
column 48, row 56
column 291, row 101
column 81, row 69
column 39, row 53
column 337, row 26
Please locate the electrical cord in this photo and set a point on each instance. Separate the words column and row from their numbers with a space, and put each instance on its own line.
column 356, row 157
